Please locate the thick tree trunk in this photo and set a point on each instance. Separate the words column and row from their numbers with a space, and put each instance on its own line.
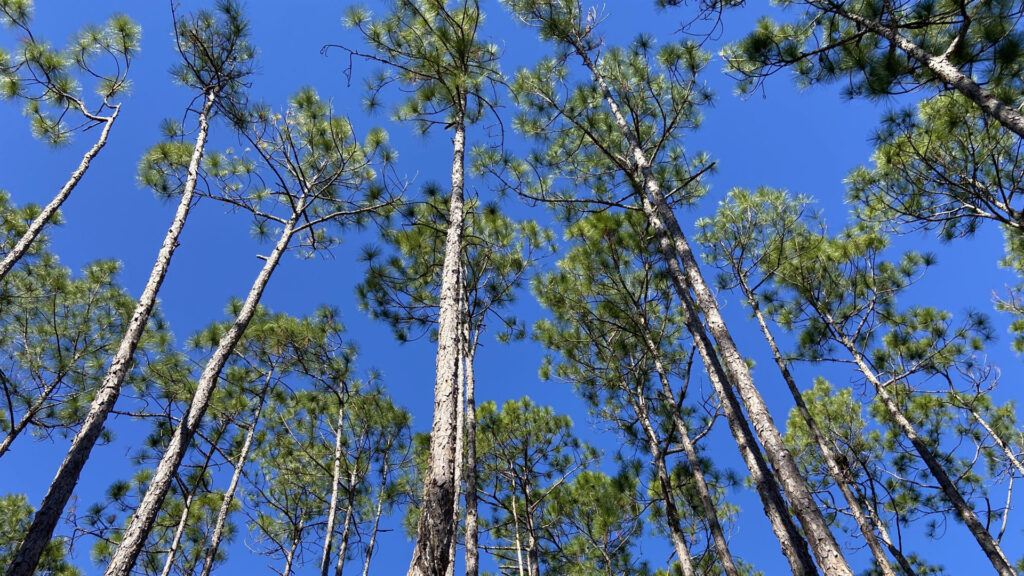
column 675, row 529
column 36, row 227
column 703, row 491
column 822, row 543
column 142, row 521
column 229, row 494
column 52, row 506
column 949, row 488
column 436, row 527
column 377, row 513
column 839, row 474
column 944, row 70
column 472, row 519
column 332, row 511
column 460, row 419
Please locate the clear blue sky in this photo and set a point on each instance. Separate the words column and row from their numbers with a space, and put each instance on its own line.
column 803, row 141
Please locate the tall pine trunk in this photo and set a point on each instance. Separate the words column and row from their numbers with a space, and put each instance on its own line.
column 229, row 494
column 690, row 451
column 172, row 552
column 332, row 509
column 52, row 506
column 675, row 529
column 346, row 526
column 820, row 539
column 436, row 528
column 36, row 227
column 460, row 419
column 376, row 516
column 839, row 474
column 946, row 72
column 142, row 521
column 949, row 489
column 472, row 517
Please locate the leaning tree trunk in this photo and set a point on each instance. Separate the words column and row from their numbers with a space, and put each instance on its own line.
column 142, row 521
column 675, row 529
column 289, row 556
column 332, row 510
column 172, row 552
column 703, row 491
column 27, row 417
column 436, row 528
column 840, row 475
column 947, row 72
column 229, row 494
column 36, row 227
column 52, row 506
column 883, row 533
column 822, row 543
column 949, row 489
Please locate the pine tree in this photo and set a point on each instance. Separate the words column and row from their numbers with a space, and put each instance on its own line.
column 432, row 49
column 50, row 83
column 216, row 58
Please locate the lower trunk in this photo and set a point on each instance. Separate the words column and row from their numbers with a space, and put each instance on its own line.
column 332, row 511
column 675, row 529
column 472, row 530
column 703, row 491
column 229, row 494
column 460, row 419
column 839, row 475
column 44, row 216
column 142, row 521
column 289, row 556
column 938, row 471
column 346, row 526
column 436, row 528
column 793, row 544
column 376, row 516
column 172, row 552
column 52, row 506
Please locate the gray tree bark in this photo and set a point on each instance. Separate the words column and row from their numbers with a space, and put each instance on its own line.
column 229, row 494
column 1008, row 116
column 36, row 227
column 838, row 473
column 472, row 519
column 142, row 521
column 436, row 527
column 325, row 557
column 820, row 539
column 52, row 506
column 376, row 515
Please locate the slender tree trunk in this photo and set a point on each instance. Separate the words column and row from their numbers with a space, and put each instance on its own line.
column 883, row 533
column 838, row 473
column 944, row 70
column 675, row 529
column 44, row 216
column 532, row 555
column 332, row 511
column 472, row 520
column 229, row 494
column 519, row 540
column 949, row 488
column 376, row 515
column 27, row 417
column 822, row 543
column 436, row 527
column 178, row 532
column 290, row 555
column 142, row 521
column 703, row 491
column 1013, row 458
column 347, row 524
column 52, row 506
